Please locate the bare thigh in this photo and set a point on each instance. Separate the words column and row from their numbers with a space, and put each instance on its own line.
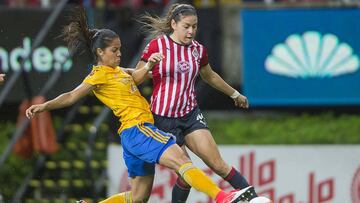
column 174, row 157
column 202, row 143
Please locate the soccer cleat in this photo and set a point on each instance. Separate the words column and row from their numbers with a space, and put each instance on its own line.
column 241, row 196
column 81, row 201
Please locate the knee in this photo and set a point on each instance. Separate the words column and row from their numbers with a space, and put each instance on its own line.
column 183, row 158
column 179, row 160
column 174, row 157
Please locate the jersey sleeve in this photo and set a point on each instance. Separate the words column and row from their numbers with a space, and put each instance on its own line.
column 96, row 77
column 204, row 60
column 151, row 47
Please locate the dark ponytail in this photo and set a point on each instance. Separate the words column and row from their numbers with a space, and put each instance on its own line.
column 83, row 40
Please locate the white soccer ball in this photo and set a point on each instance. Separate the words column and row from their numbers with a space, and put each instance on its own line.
column 260, row 200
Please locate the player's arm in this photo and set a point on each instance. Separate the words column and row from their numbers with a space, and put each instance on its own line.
column 128, row 70
column 141, row 73
column 213, row 79
column 143, row 70
column 2, row 78
column 63, row 100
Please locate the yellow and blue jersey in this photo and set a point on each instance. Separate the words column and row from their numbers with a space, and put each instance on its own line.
column 117, row 90
column 142, row 142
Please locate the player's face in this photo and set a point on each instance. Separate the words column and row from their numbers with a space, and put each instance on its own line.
column 111, row 55
column 185, row 29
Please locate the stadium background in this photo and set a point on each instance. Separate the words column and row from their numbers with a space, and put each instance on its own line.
column 302, row 113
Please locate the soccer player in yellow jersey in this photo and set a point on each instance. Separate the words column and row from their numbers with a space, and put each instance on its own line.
column 143, row 144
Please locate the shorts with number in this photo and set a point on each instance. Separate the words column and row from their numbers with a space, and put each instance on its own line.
column 143, row 146
column 180, row 127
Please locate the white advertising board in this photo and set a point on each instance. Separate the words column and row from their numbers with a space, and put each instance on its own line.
column 286, row 174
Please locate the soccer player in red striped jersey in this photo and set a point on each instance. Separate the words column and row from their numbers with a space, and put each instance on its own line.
column 176, row 59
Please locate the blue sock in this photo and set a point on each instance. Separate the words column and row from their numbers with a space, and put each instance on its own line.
column 180, row 191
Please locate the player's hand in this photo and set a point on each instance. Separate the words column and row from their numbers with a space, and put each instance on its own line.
column 2, row 78
column 34, row 109
column 154, row 59
column 241, row 102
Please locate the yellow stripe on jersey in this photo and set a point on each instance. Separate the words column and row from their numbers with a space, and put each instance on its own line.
column 150, row 133
column 117, row 90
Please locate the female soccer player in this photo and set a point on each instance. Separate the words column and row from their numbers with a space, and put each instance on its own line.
column 143, row 144
column 176, row 59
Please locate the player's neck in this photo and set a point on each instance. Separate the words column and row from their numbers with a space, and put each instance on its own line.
column 174, row 38
column 102, row 64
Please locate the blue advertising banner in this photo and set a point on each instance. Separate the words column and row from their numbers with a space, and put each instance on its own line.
column 301, row 57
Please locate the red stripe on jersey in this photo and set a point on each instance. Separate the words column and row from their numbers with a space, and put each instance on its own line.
column 197, row 65
column 186, row 93
column 166, row 74
column 175, row 82
column 183, row 82
column 170, row 77
column 157, row 77
column 174, row 77
column 191, row 89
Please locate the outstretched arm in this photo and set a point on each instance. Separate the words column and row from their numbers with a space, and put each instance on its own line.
column 63, row 100
column 213, row 79
column 143, row 69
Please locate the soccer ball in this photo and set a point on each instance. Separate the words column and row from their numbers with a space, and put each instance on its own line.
column 261, row 200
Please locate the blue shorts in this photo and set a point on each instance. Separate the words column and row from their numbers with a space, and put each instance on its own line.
column 143, row 146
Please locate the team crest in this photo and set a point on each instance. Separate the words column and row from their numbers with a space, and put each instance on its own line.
column 126, row 80
column 183, row 66
column 195, row 53
column 133, row 88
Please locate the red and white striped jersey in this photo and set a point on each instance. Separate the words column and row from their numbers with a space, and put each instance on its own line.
column 174, row 77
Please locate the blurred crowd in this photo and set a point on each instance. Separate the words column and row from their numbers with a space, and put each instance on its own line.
column 153, row 3
column 94, row 3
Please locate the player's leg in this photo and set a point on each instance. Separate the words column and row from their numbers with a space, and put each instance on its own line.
column 174, row 158
column 140, row 191
column 150, row 145
column 203, row 145
column 141, row 188
column 140, row 171
column 199, row 140
column 181, row 189
column 124, row 197
column 155, row 146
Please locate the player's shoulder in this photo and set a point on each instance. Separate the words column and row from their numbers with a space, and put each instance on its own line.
column 98, row 70
column 154, row 41
column 195, row 43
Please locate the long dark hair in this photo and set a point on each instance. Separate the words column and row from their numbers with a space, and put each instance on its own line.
column 83, row 40
column 156, row 26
